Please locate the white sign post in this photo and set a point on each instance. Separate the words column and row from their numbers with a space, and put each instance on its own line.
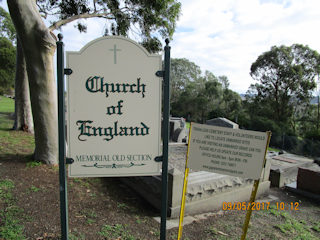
column 114, row 109
column 227, row 151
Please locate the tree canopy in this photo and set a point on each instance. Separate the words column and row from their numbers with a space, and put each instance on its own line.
column 7, row 29
column 198, row 96
column 7, row 52
column 286, row 78
column 183, row 72
column 7, row 65
column 147, row 19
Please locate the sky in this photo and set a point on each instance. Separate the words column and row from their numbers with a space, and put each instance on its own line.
column 227, row 36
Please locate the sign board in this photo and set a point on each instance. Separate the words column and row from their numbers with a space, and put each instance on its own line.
column 114, row 109
column 227, row 151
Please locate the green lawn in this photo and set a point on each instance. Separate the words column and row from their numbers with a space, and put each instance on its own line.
column 12, row 142
column 273, row 149
column 6, row 105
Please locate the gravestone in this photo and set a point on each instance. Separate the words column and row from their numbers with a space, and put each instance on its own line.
column 206, row 191
column 308, row 179
column 178, row 130
column 222, row 122
column 284, row 168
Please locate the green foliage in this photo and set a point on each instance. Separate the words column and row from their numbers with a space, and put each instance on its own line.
column 316, row 227
column 296, row 145
column 198, row 96
column 7, row 52
column 264, row 124
column 123, row 206
column 298, row 229
column 34, row 189
column 33, row 164
column 116, row 231
column 213, row 231
column 273, row 149
column 308, row 147
column 152, row 19
column 92, row 214
column 230, row 106
column 10, row 228
column 90, row 221
column 313, row 134
column 76, row 236
column 286, row 78
column 7, row 65
column 183, row 72
column 7, row 29
column 5, row 190
column 140, row 220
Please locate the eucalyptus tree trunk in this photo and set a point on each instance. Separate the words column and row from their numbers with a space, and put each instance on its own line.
column 23, row 115
column 38, row 47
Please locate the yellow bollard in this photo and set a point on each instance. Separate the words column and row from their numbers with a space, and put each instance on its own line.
column 185, row 185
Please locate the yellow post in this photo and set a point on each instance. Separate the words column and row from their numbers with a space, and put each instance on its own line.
column 249, row 211
column 185, row 185
column 183, row 200
column 253, row 195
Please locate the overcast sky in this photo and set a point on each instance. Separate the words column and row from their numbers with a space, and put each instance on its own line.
column 226, row 36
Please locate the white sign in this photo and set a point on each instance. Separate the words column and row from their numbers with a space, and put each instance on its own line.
column 114, row 109
column 227, row 151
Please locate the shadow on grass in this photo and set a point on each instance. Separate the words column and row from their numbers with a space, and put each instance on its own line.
column 16, row 158
column 128, row 199
column 6, row 121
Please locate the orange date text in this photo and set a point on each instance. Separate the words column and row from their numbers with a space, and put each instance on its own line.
column 244, row 206
column 257, row 206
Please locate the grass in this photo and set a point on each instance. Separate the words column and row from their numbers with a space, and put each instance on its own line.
column 10, row 214
column 123, row 206
column 6, row 105
column 5, row 190
column 316, row 226
column 34, row 189
column 12, row 142
column 273, row 149
column 217, row 234
column 299, row 229
column 288, row 225
column 91, row 214
column 278, row 224
column 33, row 164
column 117, row 231
column 90, row 221
column 76, row 236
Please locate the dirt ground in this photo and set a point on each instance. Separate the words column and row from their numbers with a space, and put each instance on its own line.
column 104, row 208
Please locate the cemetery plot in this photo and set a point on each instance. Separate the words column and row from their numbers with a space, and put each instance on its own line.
column 227, row 151
column 284, row 168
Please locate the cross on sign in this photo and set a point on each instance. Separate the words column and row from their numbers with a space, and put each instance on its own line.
column 114, row 49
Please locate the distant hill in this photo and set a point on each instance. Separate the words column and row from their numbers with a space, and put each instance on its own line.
column 314, row 100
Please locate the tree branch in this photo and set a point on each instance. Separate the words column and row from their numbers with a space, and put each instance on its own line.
column 62, row 22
